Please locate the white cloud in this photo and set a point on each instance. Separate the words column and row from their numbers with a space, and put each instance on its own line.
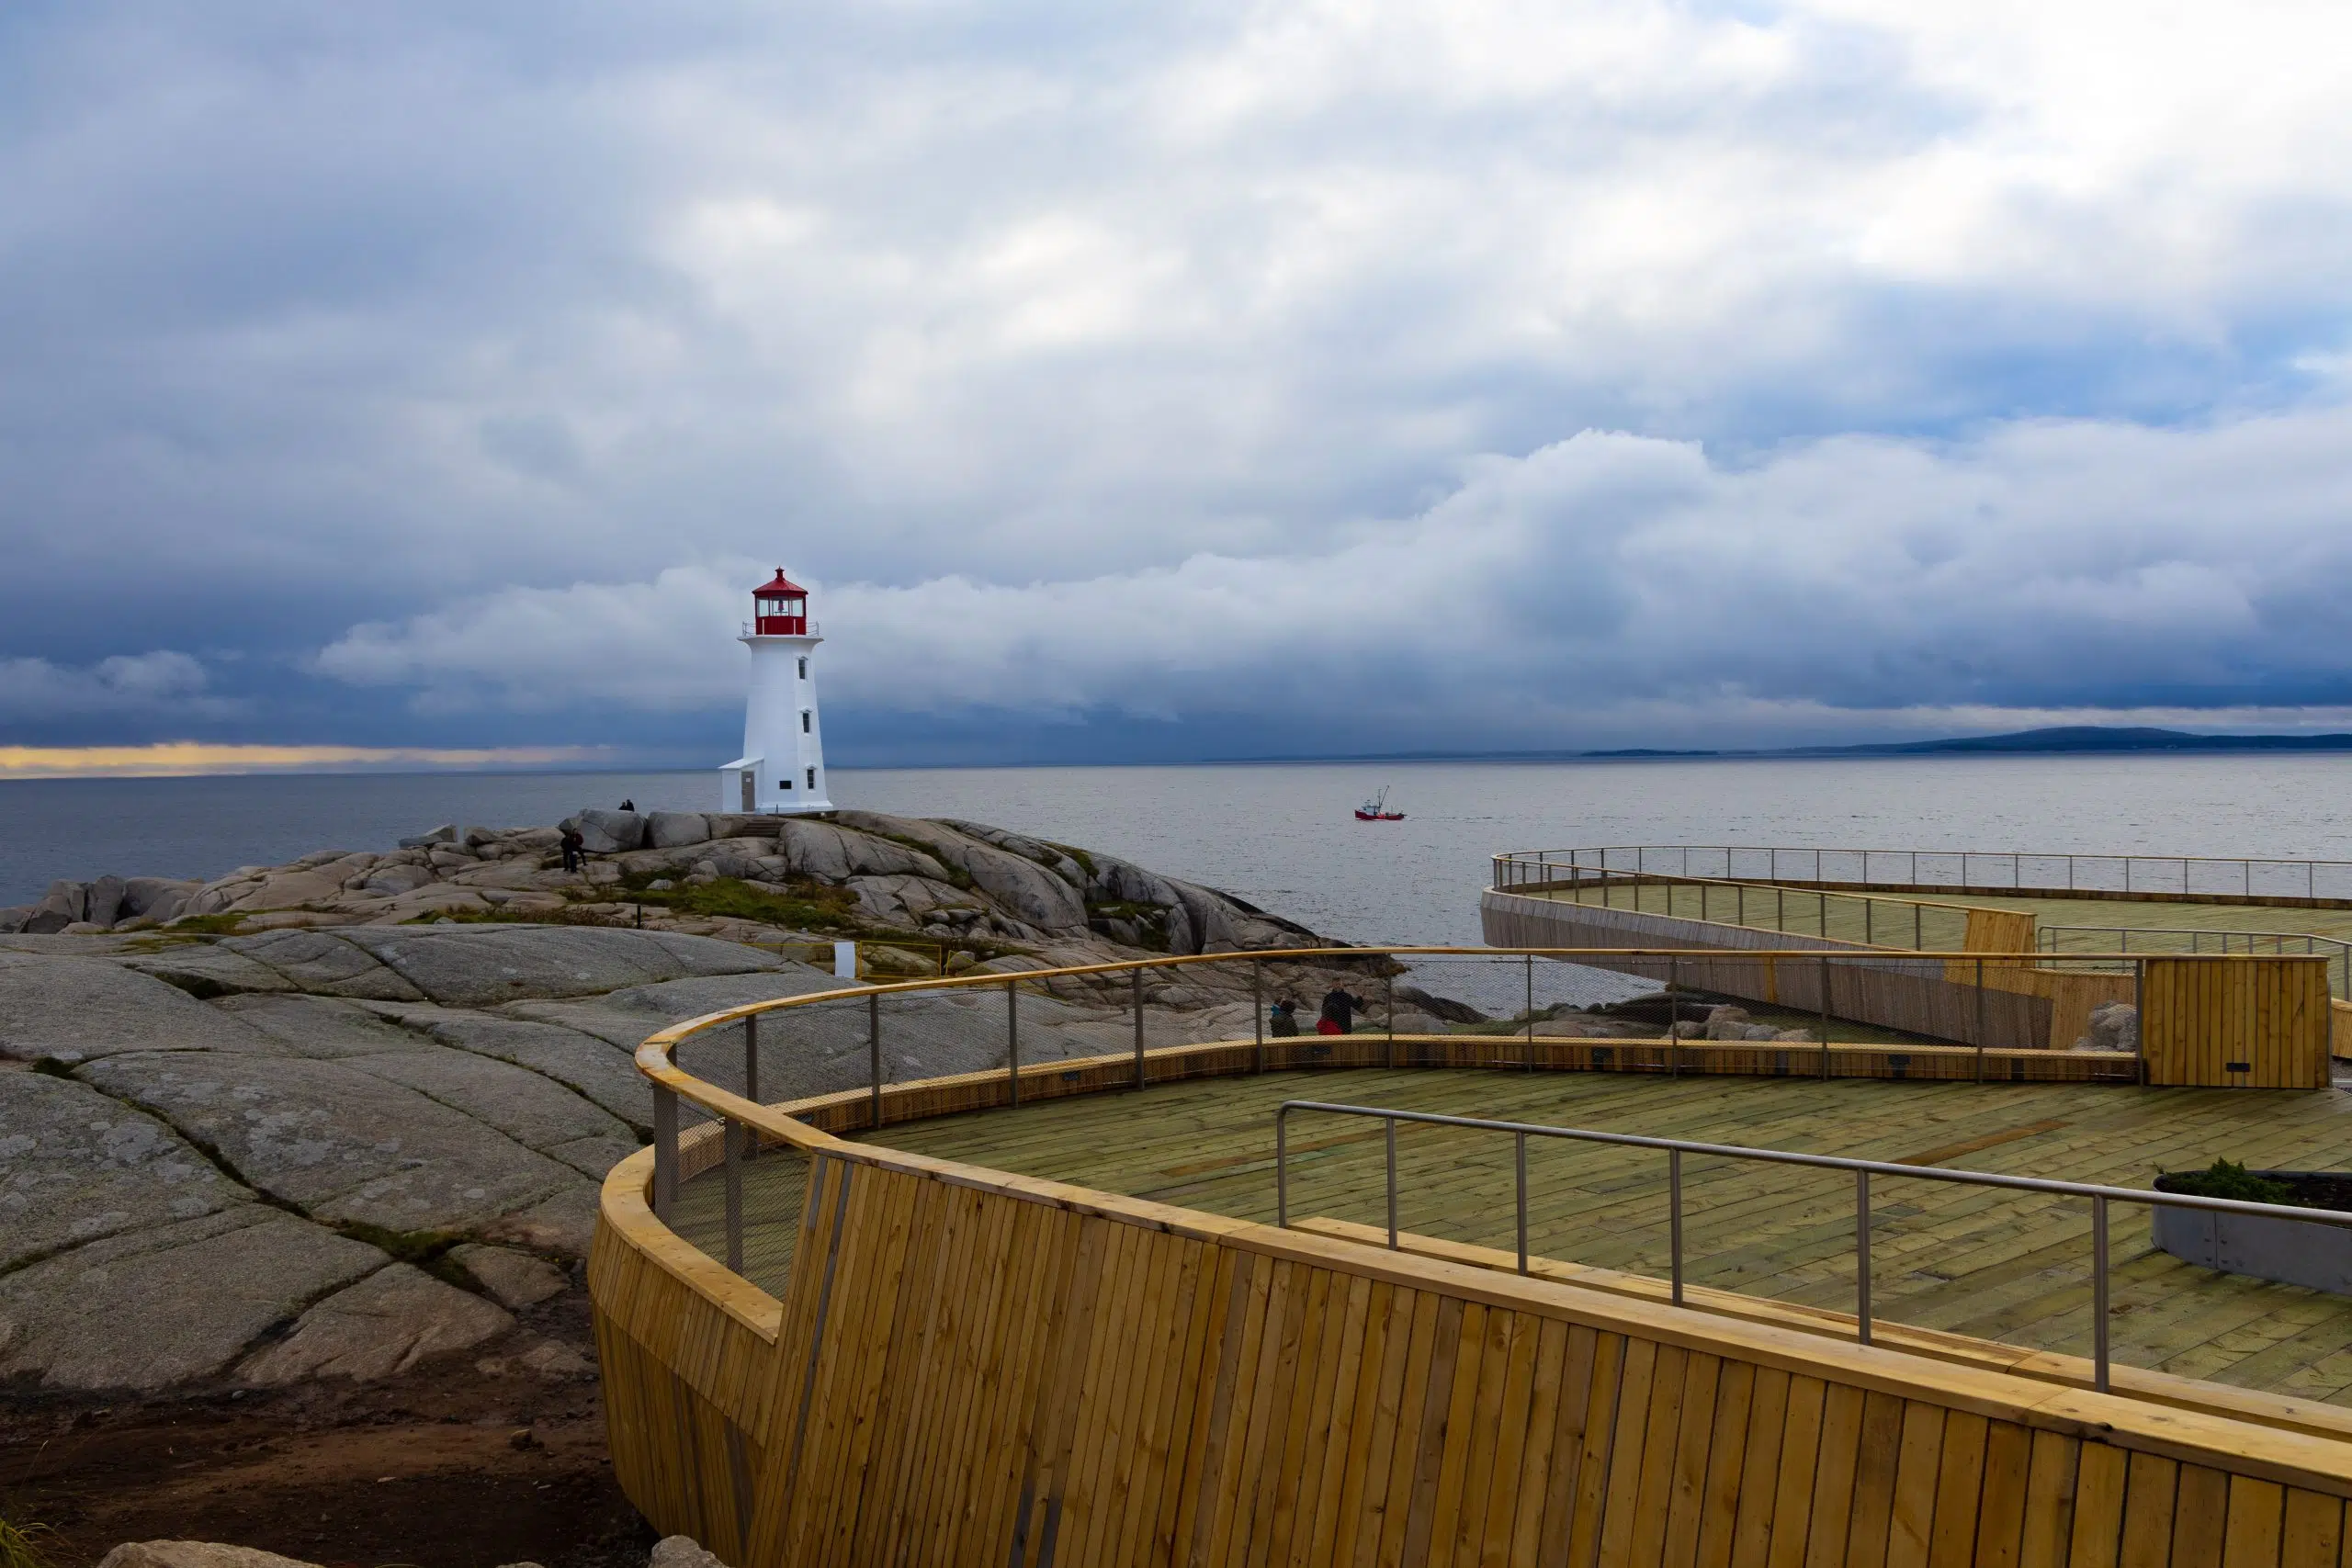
column 1609, row 580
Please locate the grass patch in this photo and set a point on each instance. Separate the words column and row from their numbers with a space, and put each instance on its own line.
column 208, row 925
column 808, row 906
column 21, row 1545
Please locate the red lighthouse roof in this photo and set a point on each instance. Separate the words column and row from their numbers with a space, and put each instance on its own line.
column 782, row 585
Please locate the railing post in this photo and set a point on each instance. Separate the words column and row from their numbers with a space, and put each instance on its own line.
column 1012, row 1035
column 1521, row 1154
column 1862, row 1252
column 1527, row 1060
column 2098, row 1293
column 1282, row 1166
column 1980, row 1020
column 1780, row 909
column 1740, row 904
column 1390, row 1123
column 1257, row 1015
column 1870, row 917
column 1135, row 986
column 751, row 1058
column 731, row 1136
column 874, row 1055
column 1917, row 909
column 1388, row 1004
column 665, row 1150
column 1673, row 1220
column 2139, row 1014
column 1673, row 1017
column 1825, row 1018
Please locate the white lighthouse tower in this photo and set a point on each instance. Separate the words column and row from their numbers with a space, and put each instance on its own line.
column 782, row 766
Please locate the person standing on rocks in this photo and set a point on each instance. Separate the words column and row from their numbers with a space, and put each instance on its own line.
column 572, row 842
column 628, row 805
column 1339, row 1012
column 1283, row 1022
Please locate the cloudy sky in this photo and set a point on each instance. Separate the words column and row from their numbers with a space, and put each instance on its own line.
column 1199, row 380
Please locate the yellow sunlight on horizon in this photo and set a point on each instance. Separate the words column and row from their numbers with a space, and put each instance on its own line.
column 166, row 758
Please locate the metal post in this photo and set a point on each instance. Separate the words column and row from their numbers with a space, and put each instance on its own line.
column 1674, row 1015
column 1388, row 1001
column 665, row 1150
column 1673, row 1220
column 1390, row 1123
column 1870, row 930
column 1282, row 1166
column 1825, row 1018
column 731, row 1136
column 874, row 1054
column 751, row 1058
column 2070, row 873
column 1862, row 1252
column 1012, row 1035
column 2098, row 1293
column 2140, row 1013
column 1528, row 1060
column 1257, row 1015
column 1741, row 904
column 1780, row 909
column 1135, row 987
column 1521, row 1153
column 1916, row 944
column 1980, row 1020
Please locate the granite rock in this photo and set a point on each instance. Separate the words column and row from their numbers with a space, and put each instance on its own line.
column 76, row 1009
column 516, row 1280
column 171, row 1302
column 386, row 1323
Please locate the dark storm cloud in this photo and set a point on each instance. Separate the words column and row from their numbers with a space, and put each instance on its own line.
column 391, row 374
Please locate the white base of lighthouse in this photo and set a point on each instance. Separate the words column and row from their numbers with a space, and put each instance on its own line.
column 782, row 770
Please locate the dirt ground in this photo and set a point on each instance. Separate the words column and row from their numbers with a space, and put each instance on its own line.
column 470, row 1462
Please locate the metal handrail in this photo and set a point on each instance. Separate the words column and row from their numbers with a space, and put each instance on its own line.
column 1863, row 1169
column 1911, row 858
column 2339, row 961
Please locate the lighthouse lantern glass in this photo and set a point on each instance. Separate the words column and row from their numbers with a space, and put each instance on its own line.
column 781, row 614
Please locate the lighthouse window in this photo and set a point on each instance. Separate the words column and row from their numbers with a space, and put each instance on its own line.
column 804, row 721
column 813, row 778
column 804, row 669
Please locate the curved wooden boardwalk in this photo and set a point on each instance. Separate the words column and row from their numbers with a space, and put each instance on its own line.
column 967, row 1365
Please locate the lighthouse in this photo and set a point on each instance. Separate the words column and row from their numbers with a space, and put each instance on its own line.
column 783, row 766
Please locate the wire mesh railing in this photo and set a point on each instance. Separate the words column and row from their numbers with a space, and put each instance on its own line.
column 2020, row 871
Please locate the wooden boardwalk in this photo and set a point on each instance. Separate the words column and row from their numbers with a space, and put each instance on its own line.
column 1969, row 1260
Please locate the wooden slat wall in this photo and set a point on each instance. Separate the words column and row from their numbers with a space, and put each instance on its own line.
column 2200, row 1015
column 996, row 1371
column 1928, row 996
column 2339, row 1033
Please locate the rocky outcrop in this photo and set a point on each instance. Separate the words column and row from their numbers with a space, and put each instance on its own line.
column 334, row 1141
column 961, row 884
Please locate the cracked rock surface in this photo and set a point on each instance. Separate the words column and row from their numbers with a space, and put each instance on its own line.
column 338, row 1145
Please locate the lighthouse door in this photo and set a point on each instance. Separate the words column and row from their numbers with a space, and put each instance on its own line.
column 751, row 790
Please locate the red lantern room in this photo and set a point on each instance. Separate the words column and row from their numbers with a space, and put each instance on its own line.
column 780, row 608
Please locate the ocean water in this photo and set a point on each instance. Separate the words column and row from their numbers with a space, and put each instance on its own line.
column 1281, row 835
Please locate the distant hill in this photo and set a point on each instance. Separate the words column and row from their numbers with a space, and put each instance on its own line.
column 2086, row 738
column 2061, row 739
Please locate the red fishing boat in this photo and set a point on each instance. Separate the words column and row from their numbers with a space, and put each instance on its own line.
column 1377, row 809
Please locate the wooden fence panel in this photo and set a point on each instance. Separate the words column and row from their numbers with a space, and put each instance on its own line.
column 2237, row 1024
